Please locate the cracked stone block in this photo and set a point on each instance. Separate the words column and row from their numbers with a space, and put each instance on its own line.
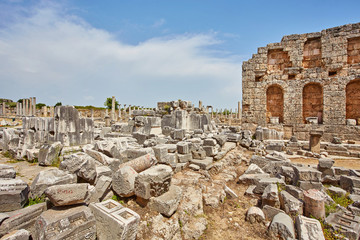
column 167, row 203
column 306, row 174
column 66, row 222
column 290, row 204
column 23, row 218
column 270, row 196
column 183, row 147
column 49, row 153
column 113, row 221
column 349, row 182
column 13, row 194
column 282, row 226
column 314, row 203
column 7, row 171
column 255, row 214
column 153, row 182
column 345, row 223
column 124, row 180
column 21, row 234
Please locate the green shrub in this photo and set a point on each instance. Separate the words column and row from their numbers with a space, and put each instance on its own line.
column 33, row 201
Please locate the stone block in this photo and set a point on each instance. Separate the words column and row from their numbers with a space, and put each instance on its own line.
column 264, row 182
column 168, row 202
column 349, row 182
column 252, row 178
column 141, row 163
column 295, row 191
column 199, row 153
column 255, row 214
column 306, row 185
column 282, row 227
column 336, row 191
column 153, row 182
column 67, row 194
column 194, row 167
column 306, row 174
column 13, row 194
column 184, row 158
column 178, row 134
column 161, row 153
column 351, row 122
column 254, row 169
column 32, row 154
column 138, row 152
column 66, row 223
column 7, row 171
column 183, row 147
column 112, row 163
column 21, row 234
column 23, row 218
column 345, row 223
column 325, row 163
column 49, row 178
column 270, row 196
column 113, row 221
column 204, row 164
column 102, row 170
column 49, row 153
column 124, row 180
column 209, row 142
column 270, row 212
column 308, row 228
column 80, row 164
column 290, row 204
column 210, row 151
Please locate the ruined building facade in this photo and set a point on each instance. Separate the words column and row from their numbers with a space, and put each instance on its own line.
column 305, row 75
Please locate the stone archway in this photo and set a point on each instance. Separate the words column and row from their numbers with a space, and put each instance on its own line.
column 313, row 101
column 353, row 100
column 274, row 103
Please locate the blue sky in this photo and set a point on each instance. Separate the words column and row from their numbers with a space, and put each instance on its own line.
column 80, row 52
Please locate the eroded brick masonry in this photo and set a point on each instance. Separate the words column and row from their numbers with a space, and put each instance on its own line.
column 305, row 75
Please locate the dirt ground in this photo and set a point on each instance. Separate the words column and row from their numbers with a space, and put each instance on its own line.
column 347, row 162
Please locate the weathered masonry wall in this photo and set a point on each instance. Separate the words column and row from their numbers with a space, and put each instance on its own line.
column 305, row 75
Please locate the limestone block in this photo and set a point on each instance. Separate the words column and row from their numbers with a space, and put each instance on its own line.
column 308, row 228
column 351, row 122
column 345, row 223
column 183, row 147
column 295, row 191
column 184, row 158
column 270, row 196
column 178, row 134
column 32, row 154
column 49, row 153
column 199, row 153
column 67, row 194
column 252, row 178
column 23, row 218
column 270, row 212
column 290, row 204
column 153, row 182
column 7, row 171
column 112, row 163
column 220, row 139
column 80, row 164
column 102, row 188
column 349, row 182
column 204, row 164
column 161, row 153
column 66, row 222
column 264, row 182
column 337, row 191
column 282, row 226
column 138, row 152
column 21, row 234
column 13, row 194
column 306, row 174
column 255, row 214
column 124, row 180
column 194, row 167
column 168, row 202
column 210, row 151
column 49, row 178
column 113, row 221
column 254, row 169
column 102, row 171
column 209, row 142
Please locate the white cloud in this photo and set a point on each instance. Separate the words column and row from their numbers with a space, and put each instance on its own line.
column 159, row 23
column 51, row 54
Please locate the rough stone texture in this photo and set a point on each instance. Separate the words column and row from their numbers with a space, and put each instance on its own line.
column 49, row 153
column 66, row 223
column 113, row 221
column 67, row 194
column 102, row 188
column 167, row 203
column 306, row 174
column 7, row 171
column 290, row 204
column 255, row 214
column 345, row 223
column 270, row 212
column 124, row 180
column 270, row 196
column 24, row 218
column 13, row 194
column 308, row 228
column 66, row 126
column 81, row 164
column 49, row 178
column 21, row 234
column 141, row 163
column 153, row 182
column 282, row 226
column 304, row 76
column 349, row 182
column 314, row 203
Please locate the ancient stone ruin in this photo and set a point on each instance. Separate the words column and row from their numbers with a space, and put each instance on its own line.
column 288, row 167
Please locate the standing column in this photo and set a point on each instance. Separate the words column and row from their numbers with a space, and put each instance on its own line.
column 23, row 107
column 17, row 109
column 52, row 111
column 34, row 106
column 20, row 109
column 200, row 105
column 1, row 110
column 45, row 111
column 113, row 109
column 92, row 114
column 30, row 107
column 239, row 109
column 129, row 111
column 120, row 112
